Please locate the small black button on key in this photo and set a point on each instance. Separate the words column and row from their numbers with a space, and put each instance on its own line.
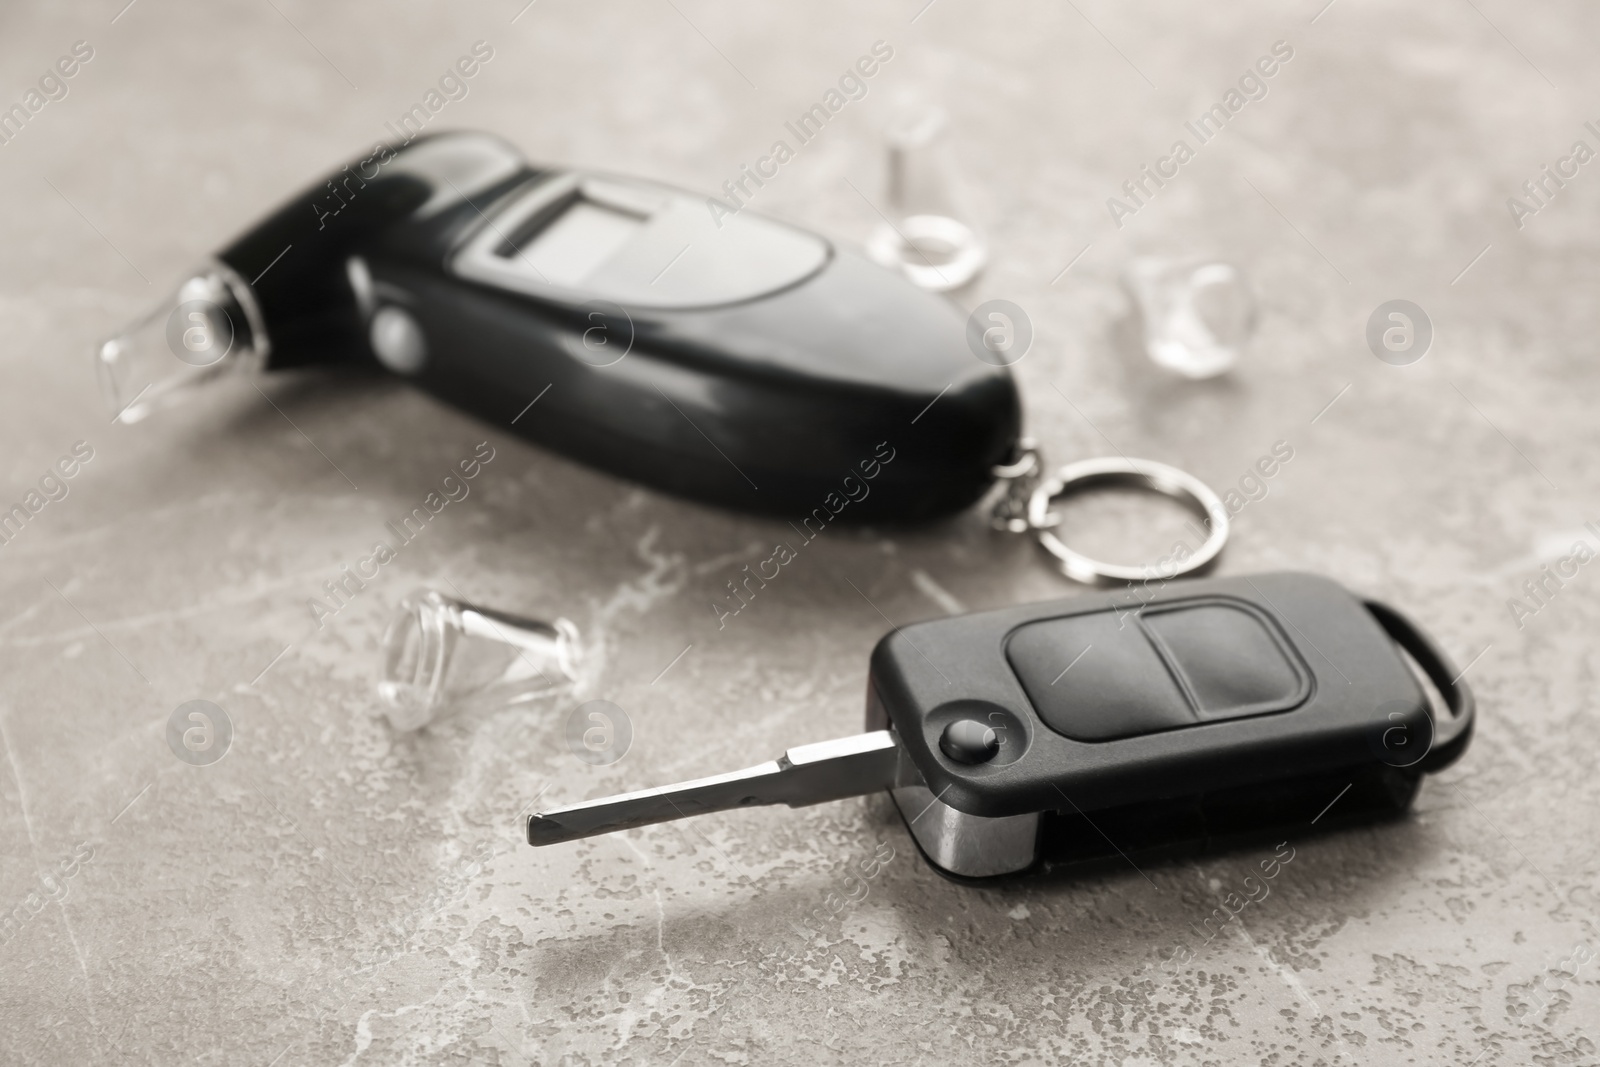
column 969, row 741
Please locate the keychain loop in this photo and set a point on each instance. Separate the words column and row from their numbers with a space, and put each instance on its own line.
column 1134, row 474
column 1019, row 476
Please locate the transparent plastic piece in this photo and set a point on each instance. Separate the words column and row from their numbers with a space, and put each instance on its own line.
column 1198, row 313
column 209, row 327
column 925, row 238
column 441, row 654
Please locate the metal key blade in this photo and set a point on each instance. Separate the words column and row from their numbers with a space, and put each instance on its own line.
column 807, row 774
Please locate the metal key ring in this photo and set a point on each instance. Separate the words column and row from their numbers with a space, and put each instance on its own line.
column 1135, row 474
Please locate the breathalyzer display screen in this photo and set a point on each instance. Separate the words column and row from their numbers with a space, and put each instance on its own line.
column 573, row 245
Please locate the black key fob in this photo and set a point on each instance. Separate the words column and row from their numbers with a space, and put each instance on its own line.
column 1162, row 720
column 1158, row 718
column 720, row 355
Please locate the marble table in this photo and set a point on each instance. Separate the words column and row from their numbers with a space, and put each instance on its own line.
column 332, row 892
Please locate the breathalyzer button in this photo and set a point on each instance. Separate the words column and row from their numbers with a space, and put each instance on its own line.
column 397, row 340
column 969, row 741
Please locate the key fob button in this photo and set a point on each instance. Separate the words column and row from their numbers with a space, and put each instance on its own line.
column 1106, row 675
column 1097, row 677
column 1231, row 661
column 969, row 741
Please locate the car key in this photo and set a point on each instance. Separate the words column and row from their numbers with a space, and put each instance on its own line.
column 722, row 356
column 1140, row 720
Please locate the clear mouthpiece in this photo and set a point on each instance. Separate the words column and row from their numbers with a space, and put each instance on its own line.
column 924, row 237
column 209, row 327
column 1198, row 313
column 441, row 654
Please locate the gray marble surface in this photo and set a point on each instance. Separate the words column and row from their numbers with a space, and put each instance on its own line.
column 333, row 893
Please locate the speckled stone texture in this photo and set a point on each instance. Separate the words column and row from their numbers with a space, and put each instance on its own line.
column 333, row 893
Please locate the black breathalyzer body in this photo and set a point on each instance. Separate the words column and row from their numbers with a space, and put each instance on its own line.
column 645, row 331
